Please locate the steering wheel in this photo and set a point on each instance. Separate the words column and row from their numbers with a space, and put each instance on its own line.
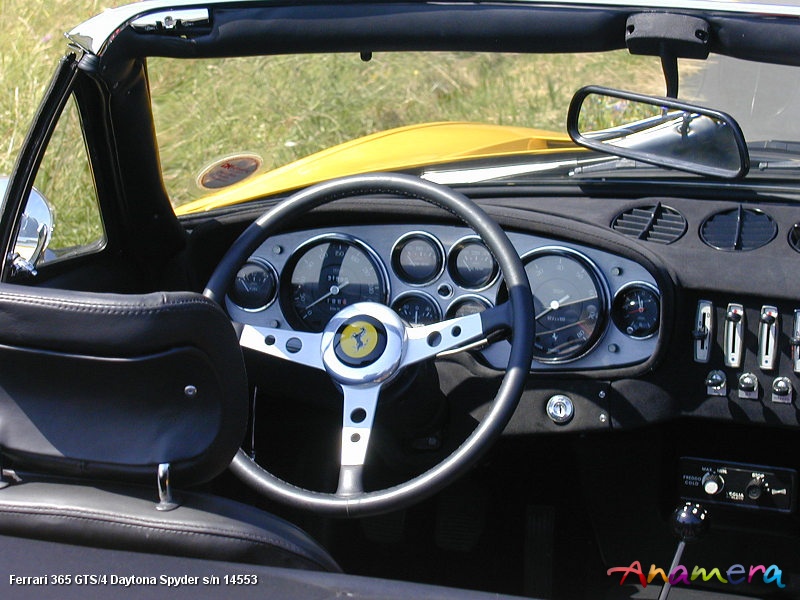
column 366, row 345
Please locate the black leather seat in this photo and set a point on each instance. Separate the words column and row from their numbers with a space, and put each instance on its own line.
column 108, row 403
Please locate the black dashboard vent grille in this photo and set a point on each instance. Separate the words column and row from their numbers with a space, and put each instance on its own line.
column 794, row 237
column 738, row 229
column 656, row 223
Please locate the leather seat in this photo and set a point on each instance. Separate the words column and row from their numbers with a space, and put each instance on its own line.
column 108, row 403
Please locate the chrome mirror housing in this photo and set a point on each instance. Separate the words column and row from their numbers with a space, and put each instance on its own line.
column 35, row 230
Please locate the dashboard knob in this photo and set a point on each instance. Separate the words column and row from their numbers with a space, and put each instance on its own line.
column 715, row 379
column 712, row 483
column 767, row 318
column 755, row 488
column 734, row 316
column 748, row 382
column 781, row 386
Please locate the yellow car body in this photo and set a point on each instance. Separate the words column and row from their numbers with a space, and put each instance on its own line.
column 395, row 149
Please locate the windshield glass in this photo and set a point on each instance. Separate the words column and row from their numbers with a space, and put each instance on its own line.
column 225, row 126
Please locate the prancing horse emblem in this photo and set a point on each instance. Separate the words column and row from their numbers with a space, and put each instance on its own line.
column 358, row 339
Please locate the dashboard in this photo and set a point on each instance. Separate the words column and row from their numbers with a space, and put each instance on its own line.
column 594, row 309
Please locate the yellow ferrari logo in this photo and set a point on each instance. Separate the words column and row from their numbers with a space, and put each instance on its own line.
column 358, row 339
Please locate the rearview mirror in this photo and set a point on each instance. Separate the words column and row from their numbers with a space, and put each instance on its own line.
column 659, row 131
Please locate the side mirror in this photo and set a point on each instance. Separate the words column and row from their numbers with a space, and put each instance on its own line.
column 35, row 230
column 659, row 131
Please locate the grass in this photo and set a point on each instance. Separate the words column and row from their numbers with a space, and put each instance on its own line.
column 286, row 107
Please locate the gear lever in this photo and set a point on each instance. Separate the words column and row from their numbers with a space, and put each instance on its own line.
column 689, row 522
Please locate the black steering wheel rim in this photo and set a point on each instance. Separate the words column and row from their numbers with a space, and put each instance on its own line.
column 519, row 317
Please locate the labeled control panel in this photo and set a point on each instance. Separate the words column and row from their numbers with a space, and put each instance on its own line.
column 737, row 485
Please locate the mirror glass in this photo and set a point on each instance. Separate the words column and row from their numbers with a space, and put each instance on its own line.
column 36, row 226
column 658, row 131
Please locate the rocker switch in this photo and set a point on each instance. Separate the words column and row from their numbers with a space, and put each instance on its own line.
column 768, row 338
column 795, row 342
column 703, row 331
column 734, row 335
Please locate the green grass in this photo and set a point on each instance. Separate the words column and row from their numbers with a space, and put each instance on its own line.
column 287, row 107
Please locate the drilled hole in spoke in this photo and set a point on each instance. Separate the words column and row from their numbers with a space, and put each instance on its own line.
column 355, row 438
column 358, row 415
column 456, row 331
column 434, row 339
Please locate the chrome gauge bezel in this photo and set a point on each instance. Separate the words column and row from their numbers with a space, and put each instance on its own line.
column 452, row 257
column 285, row 290
column 421, row 295
column 450, row 312
column 268, row 266
column 628, row 286
column 604, row 302
column 398, row 246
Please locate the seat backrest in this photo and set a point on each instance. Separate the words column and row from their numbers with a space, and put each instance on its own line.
column 111, row 386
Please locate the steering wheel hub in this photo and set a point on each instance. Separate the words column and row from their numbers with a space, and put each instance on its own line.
column 363, row 344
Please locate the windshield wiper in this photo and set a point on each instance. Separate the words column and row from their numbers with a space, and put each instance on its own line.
column 568, row 167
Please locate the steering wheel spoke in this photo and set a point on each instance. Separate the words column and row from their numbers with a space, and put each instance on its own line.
column 429, row 340
column 357, row 417
column 295, row 346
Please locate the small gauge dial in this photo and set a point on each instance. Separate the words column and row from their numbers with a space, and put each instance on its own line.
column 417, row 258
column 471, row 264
column 467, row 305
column 636, row 311
column 417, row 309
column 253, row 287
column 326, row 275
column 569, row 305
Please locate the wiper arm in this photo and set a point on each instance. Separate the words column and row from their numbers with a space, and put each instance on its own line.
column 570, row 167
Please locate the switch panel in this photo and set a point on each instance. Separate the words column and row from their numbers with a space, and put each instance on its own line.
column 703, row 331
column 739, row 485
column 734, row 335
column 768, row 338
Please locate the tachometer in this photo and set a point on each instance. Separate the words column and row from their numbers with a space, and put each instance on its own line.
column 569, row 302
column 327, row 274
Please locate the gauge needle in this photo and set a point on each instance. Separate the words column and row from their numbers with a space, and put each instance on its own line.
column 554, row 305
column 335, row 289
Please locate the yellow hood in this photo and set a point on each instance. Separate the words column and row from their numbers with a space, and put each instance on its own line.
column 395, row 149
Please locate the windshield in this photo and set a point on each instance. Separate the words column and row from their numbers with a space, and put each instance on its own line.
column 233, row 129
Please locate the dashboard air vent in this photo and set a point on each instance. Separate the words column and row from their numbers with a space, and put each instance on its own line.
column 656, row 223
column 738, row 229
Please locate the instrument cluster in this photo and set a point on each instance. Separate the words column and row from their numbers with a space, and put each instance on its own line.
column 593, row 309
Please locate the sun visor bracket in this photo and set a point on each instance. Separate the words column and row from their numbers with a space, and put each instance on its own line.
column 670, row 37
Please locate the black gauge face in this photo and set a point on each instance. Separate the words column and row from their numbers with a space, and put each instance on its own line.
column 253, row 287
column 324, row 277
column 471, row 265
column 464, row 307
column 636, row 311
column 417, row 259
column 569, row 306
column 417, row 309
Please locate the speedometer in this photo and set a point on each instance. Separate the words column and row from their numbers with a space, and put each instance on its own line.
column 569, row 303
column 325, row 275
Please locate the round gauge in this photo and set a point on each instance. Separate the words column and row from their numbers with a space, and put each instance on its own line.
column 569, row 305
column 253, row 287
column 636, row 311
column 417, row 258
column 471, row 264
column 417, row 309
column 467, row 305
column 327, row 274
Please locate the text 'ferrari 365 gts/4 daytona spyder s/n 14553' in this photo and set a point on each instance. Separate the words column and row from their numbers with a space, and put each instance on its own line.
column 406, row 299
